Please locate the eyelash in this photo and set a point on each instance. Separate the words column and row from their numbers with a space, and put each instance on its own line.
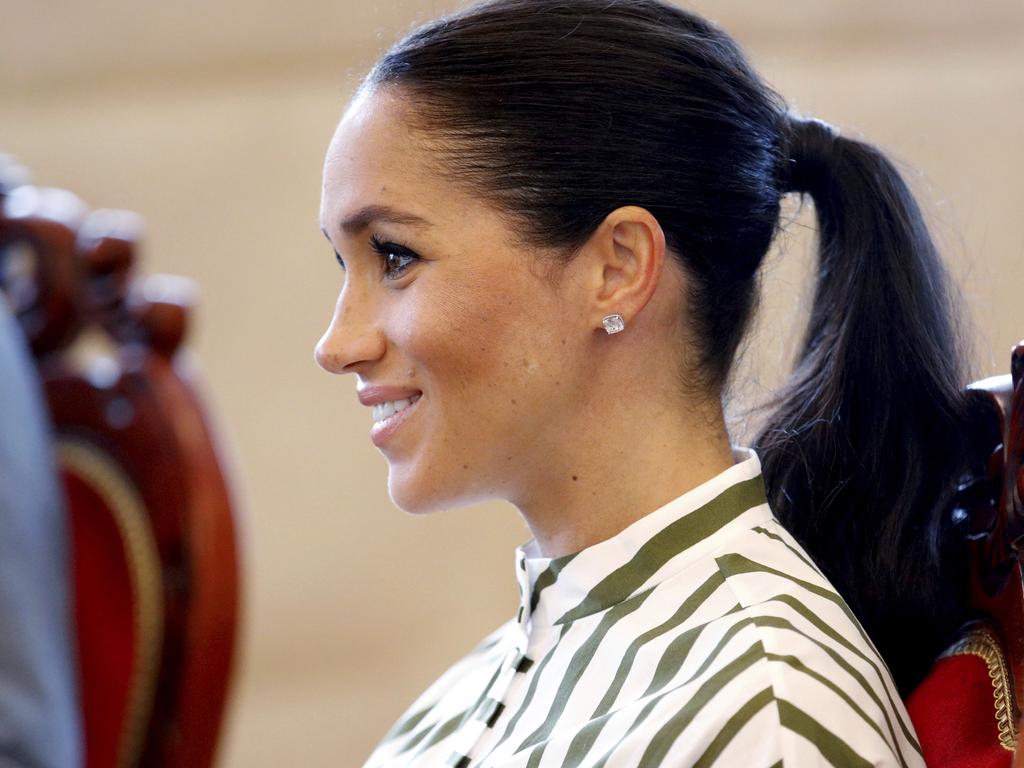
column 385, row 249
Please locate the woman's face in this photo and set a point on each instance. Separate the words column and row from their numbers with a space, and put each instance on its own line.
column 452, row 312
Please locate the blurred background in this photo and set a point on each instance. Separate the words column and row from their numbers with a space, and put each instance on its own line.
column 210, row 119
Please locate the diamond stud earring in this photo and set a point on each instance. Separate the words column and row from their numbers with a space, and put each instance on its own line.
column 613, row 323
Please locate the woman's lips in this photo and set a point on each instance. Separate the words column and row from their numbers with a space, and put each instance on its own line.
column 382, row 432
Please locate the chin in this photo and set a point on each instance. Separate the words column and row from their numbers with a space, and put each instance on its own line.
column 411, row 495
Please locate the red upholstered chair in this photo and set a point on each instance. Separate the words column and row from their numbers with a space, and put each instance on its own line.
column 155, row 559
column 967, row 710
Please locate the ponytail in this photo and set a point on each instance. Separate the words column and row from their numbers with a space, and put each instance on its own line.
column 864, row 445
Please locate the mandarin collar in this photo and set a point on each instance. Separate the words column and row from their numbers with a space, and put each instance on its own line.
column 560, row 590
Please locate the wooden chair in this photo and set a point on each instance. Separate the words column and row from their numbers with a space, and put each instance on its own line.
column 966, row 712
column 153, row 527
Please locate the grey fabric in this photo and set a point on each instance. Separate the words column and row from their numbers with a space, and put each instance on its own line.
column 39, row 721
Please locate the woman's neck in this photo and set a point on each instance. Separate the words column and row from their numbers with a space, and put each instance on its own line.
column 628, row 462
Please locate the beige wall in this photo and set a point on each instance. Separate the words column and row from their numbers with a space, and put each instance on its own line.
column 210, row 119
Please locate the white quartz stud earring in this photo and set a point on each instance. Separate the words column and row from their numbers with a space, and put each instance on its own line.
column 613, row 323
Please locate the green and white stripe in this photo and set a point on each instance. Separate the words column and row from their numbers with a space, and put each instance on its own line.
column 701, row 635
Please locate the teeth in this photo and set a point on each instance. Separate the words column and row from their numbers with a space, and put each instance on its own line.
column 383, row 411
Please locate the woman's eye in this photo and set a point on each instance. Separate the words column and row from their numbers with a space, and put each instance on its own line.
column 396, row 263
column 396, row 258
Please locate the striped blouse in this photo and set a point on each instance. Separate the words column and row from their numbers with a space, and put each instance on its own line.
column 701, row 635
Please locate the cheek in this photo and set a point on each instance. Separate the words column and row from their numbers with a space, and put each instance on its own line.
column 477, row 346
column 462, row 341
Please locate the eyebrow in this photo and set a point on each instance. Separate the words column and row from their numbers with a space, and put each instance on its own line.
column 362, row 218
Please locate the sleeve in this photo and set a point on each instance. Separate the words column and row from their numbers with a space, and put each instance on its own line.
column 835, row 699
column 830, row 715
column 39, row 723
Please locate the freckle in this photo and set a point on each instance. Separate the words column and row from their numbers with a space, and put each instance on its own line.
column 513, row 401
column 563, row 342
column 557, row 382
column 465, row 466
column 526, row 363
column 508, row 458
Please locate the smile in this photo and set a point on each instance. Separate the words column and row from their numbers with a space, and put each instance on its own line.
column 384, row 411
column 389, row 417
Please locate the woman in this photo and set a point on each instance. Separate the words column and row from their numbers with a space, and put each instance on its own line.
column 551, row 215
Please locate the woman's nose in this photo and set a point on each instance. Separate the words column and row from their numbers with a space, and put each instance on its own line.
column 351, row 338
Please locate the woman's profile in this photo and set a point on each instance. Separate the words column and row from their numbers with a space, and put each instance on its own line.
column 551, row 215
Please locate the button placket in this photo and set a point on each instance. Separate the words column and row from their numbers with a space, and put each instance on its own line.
column 490, row 708
column 516, row 663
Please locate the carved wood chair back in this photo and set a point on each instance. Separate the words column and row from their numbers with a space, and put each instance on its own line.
column 153, row 521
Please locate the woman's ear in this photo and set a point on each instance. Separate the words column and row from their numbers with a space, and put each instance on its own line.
column 625, row 262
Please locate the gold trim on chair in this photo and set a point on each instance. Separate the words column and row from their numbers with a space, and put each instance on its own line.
column 89, row 462
column 981, row 642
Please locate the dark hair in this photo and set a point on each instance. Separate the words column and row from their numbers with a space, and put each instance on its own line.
column 560, row 111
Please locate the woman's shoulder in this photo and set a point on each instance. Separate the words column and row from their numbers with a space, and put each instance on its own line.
column 832, row 691
column 779, row 591
column 765, row 564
